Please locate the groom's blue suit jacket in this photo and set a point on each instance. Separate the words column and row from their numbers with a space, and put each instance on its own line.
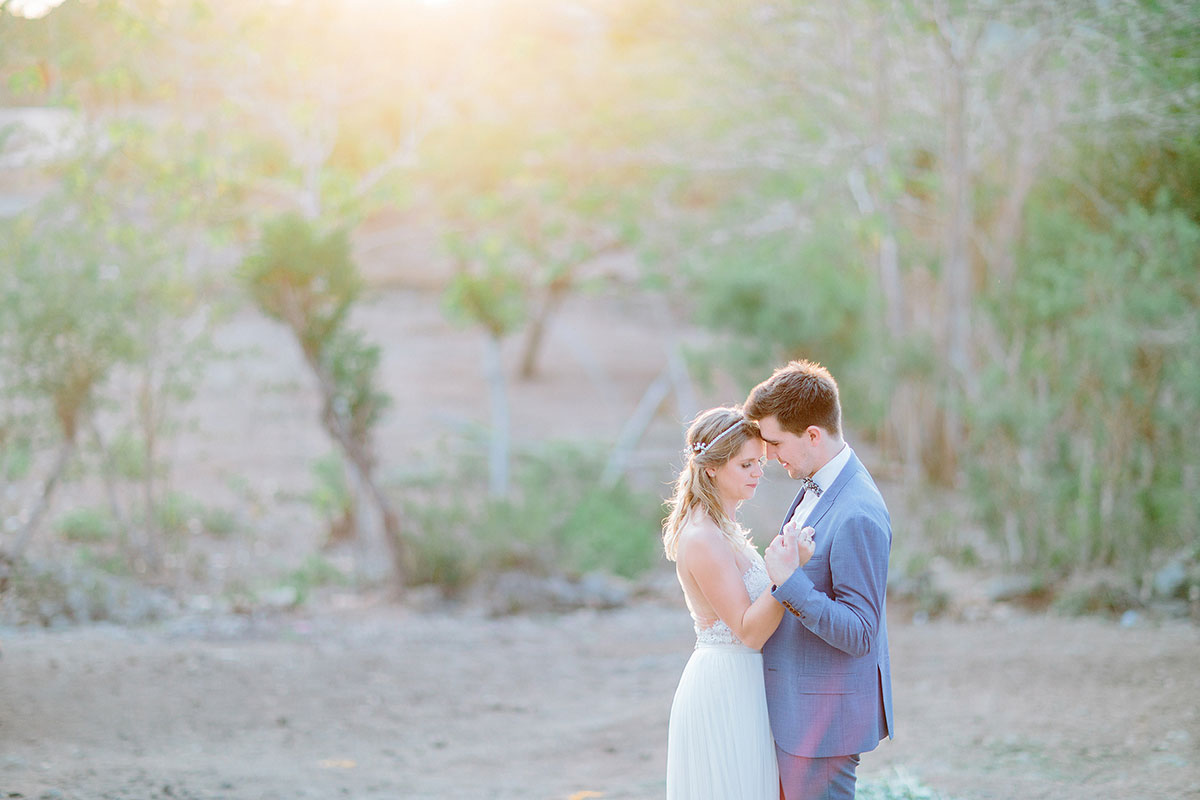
column 828, row 674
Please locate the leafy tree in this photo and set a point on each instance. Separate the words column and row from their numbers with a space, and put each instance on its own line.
column 306, row 279
column 65, row 325
column 1083, row 445
column 485, row 293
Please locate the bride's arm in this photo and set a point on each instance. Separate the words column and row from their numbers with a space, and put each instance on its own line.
column 712, row 566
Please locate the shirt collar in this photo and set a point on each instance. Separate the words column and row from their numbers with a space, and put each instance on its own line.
column 827, row 474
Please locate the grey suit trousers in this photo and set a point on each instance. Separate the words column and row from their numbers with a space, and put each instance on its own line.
column 830, row 778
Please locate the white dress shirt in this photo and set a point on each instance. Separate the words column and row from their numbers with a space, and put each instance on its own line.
column 824, row 477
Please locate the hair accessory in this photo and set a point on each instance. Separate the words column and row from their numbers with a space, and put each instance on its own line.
column 700, row 447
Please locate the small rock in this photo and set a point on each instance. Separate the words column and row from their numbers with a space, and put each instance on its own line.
column 1169, row 580
column 1010, row 587
column 281, row 597
column 1130, row 618
column 601, row 590
column 200, row 603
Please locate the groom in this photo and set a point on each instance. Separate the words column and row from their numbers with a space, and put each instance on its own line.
column 828, row 675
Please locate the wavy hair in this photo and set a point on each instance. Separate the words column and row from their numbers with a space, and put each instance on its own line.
column 714, row 437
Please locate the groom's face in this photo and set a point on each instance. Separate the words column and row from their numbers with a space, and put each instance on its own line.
column 794, row 453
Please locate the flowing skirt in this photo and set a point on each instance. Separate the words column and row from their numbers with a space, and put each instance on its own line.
column 719, row 746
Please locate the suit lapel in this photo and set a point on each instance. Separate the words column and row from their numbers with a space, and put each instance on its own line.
column 830, row 495
column 827, row 496
column 792, row 509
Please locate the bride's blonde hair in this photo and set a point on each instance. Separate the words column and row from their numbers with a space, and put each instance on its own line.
column 714, row 437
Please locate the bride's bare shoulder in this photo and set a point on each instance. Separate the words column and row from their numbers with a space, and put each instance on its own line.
column 700, row 534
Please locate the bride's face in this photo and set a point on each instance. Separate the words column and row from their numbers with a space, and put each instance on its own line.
column 737, row 479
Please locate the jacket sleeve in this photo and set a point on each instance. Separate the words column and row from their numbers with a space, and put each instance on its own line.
column 858, row 559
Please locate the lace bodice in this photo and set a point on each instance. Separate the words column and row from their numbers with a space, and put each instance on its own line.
column 756, row 580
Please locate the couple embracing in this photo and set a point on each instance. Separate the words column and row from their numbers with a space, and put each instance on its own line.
column 790, row 681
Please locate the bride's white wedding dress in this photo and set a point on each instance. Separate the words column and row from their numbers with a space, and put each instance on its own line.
column 719, row 745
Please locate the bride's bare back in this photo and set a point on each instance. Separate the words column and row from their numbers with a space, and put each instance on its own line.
column 711, row 570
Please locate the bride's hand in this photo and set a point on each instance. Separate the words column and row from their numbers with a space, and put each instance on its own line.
column 788, row 552
column 782, row 557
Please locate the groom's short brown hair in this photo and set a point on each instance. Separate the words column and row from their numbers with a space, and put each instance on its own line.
column 800, row 394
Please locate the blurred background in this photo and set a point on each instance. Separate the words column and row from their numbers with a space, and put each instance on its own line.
column 355, row 293
column 334, row 332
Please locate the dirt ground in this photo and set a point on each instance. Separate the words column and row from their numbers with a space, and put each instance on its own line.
column 360, row 698
column 382, row 702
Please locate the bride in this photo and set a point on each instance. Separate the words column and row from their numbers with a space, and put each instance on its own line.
column 719, row 744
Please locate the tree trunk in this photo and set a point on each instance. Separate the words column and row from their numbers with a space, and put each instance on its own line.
column 65, row 450
column 124, row 529
column 681, row 383
column 151, row 549
column 392, row 530
column 633, row 429
column 956, row 257
column 889, row 251
column 362, row 465
column 556, row 293
column 493, row 369
column 956, row 262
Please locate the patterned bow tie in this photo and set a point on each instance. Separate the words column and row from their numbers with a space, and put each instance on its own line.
column 811, row 486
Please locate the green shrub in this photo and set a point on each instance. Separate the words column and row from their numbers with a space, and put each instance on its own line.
column 898, row 786
column 173, row 513
column 330, row 496
column 128, row 457
column 86, row 525
column 315, row 571
column 111, row 563
column 16, row 458
column 220, row 522
column 179, row 513
column 1083, row 441
column 558, row 519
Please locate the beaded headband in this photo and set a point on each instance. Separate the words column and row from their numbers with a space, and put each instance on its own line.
column 700, row 447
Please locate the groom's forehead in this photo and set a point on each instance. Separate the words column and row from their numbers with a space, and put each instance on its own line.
column 770, row 430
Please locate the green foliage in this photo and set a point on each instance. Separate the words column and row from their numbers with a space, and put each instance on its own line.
column 16, row 458
column 330, row 496
column 95, row 298
column 491, row 297
column 178, row 514
column 303, row 278
column 315, row 572
column 106, row 562
column 1084, row 436
column 352, row 364
column 540, row 151
column 220, row 522
column 309, row 281
column 801, row 297
column 86, row 525
column 1105, row 596
column 898, row 786
column 127, row 457
column 783, row 295
column 66, row 313
column 557, row 519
